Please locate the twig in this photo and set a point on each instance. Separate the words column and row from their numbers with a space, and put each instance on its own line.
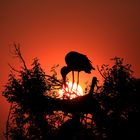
column 18, row 53
column 100, row 72
column 13, row 68
column 53, row 78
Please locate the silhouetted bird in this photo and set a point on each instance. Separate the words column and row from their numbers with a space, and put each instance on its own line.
column 76, row 62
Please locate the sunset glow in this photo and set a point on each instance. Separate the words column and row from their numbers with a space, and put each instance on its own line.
column 70, row 92
column 50, row 29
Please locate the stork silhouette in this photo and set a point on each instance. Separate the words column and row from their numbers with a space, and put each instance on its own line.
column 76, row 62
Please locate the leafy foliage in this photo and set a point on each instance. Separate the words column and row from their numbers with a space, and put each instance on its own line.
column 26, row 91
column 27, row 94
column 119, row 100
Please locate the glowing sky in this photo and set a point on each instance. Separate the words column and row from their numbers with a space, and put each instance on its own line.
column 48, row 29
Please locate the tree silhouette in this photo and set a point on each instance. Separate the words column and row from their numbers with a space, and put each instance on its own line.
column 109, row 111
column 26, row 93
column 120, row 95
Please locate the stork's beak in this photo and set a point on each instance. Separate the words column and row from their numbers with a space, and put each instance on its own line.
column 93, row 68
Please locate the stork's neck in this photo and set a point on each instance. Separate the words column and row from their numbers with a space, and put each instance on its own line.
column 68, row 69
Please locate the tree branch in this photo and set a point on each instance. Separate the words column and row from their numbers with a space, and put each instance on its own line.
column 13, row 68
column 84, row 104
column 18, row 53
column 100, row 72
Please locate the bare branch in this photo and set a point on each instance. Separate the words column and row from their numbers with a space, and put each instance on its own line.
column 100, row 72
column 54, row 79
column 18, row 53
column 13, row 68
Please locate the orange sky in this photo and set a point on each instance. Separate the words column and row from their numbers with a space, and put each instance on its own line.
column 48, row 29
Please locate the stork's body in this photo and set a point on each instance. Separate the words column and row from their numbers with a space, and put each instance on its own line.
column 76, row 62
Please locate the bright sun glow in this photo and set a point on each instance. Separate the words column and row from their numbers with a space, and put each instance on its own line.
column 70, row 92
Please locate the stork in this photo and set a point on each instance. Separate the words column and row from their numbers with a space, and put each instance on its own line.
column 76, row 62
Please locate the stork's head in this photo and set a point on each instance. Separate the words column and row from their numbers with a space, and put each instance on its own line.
column 64, row 71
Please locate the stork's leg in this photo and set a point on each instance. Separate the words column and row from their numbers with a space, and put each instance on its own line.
column 77, row 81
column 72, row 80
